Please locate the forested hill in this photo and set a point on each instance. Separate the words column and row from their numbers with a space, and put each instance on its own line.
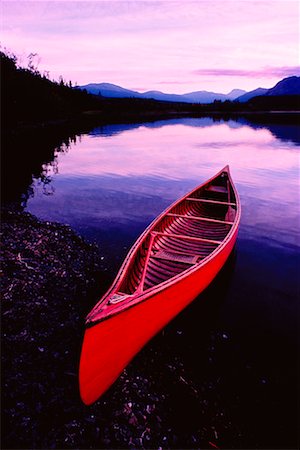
column 29, row 96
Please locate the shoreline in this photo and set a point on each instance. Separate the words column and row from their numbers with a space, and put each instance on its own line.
column 88, row 119
column 51, row 277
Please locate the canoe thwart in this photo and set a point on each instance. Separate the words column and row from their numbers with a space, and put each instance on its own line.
column 204, row 219
column 215, row 202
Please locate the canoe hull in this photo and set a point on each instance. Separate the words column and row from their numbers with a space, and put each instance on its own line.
column 109, row 345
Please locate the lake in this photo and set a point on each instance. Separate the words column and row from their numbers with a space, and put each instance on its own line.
column 238, row 339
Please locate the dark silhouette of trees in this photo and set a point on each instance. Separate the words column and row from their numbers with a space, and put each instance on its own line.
column 29, row 97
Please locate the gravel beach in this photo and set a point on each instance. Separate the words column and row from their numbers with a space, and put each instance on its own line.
column 50, row 280
column 194, row 386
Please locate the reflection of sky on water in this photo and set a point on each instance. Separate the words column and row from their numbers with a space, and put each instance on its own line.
column 179, row 152
column 121, row 180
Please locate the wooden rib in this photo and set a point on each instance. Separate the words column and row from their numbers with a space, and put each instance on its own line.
column 168, row 244
column 161, row 271
column 179, row 252
column 158, row 272
column 175, row 245
column 194, row 228
column 204, row 219
column 177, row 257
column 183, row 236
column 216, row 202
column 180, row 227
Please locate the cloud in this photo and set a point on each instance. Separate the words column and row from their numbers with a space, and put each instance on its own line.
column 171, row 82
column 265, row 72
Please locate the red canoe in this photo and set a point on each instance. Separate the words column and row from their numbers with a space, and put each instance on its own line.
column 174, row 260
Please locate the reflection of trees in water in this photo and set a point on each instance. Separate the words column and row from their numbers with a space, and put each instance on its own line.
column 32, row 154
column 44, row 179
column 29, row 156
column 283, row 126
column 50, row 168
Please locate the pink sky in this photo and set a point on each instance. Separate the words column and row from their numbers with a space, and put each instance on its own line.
column 172, row 46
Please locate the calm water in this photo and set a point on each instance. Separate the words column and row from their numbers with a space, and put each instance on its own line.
column 114, row 181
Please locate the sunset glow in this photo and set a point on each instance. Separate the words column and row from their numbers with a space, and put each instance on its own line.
column 175, row 47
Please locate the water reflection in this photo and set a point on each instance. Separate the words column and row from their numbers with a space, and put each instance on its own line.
column 282, row 126
column 117, row 178
column 28, row 155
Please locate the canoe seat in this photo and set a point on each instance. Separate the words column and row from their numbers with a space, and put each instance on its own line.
column 219, row 189
column 117, row 298
column 178, row 257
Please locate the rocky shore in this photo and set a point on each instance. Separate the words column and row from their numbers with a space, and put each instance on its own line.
column 48, row 274
column 184, row 390
column 50, row 280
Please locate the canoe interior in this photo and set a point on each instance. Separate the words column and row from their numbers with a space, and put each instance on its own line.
column 187, row 234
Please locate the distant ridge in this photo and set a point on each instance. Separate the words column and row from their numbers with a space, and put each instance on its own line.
column 109, row 90
column 114, row 91
column 287, row 86
column 257, row 92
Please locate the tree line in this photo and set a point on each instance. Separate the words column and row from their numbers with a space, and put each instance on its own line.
column 30, row 97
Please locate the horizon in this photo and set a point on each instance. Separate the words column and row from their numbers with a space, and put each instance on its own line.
column 175, row 93
column 158, row 45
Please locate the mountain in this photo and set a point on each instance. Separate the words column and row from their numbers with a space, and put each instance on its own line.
column 157, row 95
column 114, row 91
column 204, row 97
column 210, row 97
column 259, row 91
column 193, row 97
column 235, row 93
column 287, row 86
column 109, row 90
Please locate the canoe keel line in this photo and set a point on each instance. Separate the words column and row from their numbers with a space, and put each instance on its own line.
column 171, row 263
